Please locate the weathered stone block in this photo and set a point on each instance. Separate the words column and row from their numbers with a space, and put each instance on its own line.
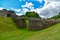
column 20, row 22
column 37, row 24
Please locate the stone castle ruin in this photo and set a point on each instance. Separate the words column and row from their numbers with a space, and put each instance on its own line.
column 3, row 13
column 34, row 23
column 7, row 13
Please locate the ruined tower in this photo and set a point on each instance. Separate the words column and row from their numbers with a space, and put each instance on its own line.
column 3, row 12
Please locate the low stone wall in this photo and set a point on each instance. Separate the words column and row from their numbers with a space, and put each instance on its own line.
column 37, row 24
column 34, row 24
column 20, row 22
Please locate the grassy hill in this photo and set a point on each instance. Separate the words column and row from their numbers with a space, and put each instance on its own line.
column 6, row 24
column 10, row 31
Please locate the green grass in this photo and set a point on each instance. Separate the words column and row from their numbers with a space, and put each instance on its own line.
column 10, row 31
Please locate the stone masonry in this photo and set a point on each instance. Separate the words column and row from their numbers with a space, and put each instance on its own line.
column 38, row 24
column 3, row 12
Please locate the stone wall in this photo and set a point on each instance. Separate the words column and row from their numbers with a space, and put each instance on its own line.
column 3, row 12
column 21, row 23
column 35, row 24
column 38, row 24
column 11, row 13
column 7, row 13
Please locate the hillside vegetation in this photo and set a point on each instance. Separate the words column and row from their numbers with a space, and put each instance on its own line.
column 56, row 16
column 6, row 24
column 10, row 31
column 31, row 14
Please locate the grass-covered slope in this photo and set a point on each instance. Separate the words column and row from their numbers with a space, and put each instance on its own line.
column 9, row 31
column 6, row 24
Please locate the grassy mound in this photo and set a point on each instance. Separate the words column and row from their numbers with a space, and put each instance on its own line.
column 10, row 31
column 6, row 24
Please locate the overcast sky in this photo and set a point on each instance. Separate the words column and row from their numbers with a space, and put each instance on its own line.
column 45, row 8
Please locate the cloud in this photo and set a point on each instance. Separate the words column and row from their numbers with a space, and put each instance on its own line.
column 19, row 14
column 51, row 8
column 50, row 1
column 40, row 0
column 26, row 8
column 1, row 8
column 21, row 0
column 28, row 5
column 23, row 11
column 17, row 10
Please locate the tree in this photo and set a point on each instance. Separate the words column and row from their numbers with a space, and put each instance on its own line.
column 32, row 14
column 4, row 9
column 23, row 16
column 56, row 16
